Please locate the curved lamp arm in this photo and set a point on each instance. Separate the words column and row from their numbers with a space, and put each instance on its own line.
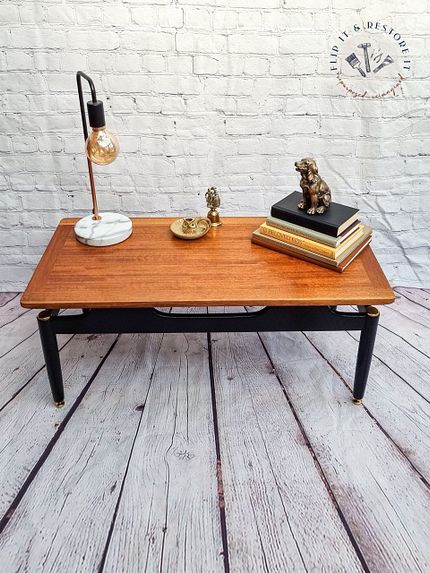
column 80, row 75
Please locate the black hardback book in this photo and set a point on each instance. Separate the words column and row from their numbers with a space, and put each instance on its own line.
column 335, row 220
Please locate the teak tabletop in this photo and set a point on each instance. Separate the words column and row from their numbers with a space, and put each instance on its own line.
column 223, row 268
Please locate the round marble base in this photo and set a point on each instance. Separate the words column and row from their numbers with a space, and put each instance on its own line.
column 111, row 229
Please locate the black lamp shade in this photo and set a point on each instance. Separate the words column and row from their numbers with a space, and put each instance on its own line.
column 96, row 114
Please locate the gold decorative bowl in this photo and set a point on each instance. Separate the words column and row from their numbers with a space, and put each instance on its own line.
column 191, row 227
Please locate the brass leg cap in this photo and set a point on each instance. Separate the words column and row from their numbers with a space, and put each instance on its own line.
column 357, row 401
column 60, row 404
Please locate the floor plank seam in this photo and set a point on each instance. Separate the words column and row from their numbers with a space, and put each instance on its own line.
column 378, row 424
column 19, row 343
column 221, row 499
column 318, row 466
column 140, row 408
column 15, row 319
column 404, row 340
column 168, row 481
column 10, row 300
column 278, row 488
column 403, row 315
column 409, row 299
column 31, row 378
column 9, row 513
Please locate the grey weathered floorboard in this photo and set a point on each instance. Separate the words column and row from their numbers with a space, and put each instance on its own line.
column 168, row 519
column 400, row 411
column 11, row 309
column 28, row 423
column 279, row 513
column 64, row 517
column 296, row 456
column 6, row 297
column 382, row 498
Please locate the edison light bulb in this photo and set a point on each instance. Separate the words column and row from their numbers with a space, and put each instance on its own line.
column 101, row 146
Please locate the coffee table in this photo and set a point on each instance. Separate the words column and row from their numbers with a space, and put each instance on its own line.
column 118, row 288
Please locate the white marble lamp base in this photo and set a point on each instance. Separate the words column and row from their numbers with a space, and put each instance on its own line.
column 111, row 229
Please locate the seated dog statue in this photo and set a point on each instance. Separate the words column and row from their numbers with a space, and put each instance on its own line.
column 316, row 193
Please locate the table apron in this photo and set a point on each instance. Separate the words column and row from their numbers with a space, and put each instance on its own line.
column 267, row 319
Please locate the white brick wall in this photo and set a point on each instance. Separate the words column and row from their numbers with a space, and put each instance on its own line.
column 208, row 92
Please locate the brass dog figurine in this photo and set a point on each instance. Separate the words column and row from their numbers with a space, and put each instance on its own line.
column 316, row 192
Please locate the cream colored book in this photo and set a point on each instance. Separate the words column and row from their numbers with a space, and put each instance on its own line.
column 312, row 246
column 310, row 233
column 293, row 249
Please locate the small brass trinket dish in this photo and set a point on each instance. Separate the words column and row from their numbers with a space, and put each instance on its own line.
column 190, row 227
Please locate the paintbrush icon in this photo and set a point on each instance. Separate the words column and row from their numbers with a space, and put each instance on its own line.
column 354, row 62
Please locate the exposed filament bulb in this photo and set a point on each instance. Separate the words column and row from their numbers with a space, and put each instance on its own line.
column 101, row 146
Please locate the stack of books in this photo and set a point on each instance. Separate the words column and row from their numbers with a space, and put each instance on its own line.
column 332, row 239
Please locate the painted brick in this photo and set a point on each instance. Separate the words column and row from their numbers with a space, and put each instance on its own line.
column 175, row 84
column 252, row 44
column 417, row 166
column 198, row 18
column 199, row 92
column 9, row 201
column 89, row 15
column 46, row 61
column 5, row 144
column 170, row 17
column 288, row 21
column 229, row 86
column 126, row 83
column 255, row 66
column 281, row 66
column 19, row 61
column 154, row 63
column 33, row 13
column 225, row 19
column 206, row 65
column 5, row 38
column 201, row 43
column 173, row 104
column 116, row 16
column 13, row 238
column 142, row 204
column 22, row 82
column 248, row 126
column 9, row 14
column 31, row 38
column 303, row 44
column 145, row 17
column 23, row 144
column 74, row 61
column 148, row 41
column 263, row 4
column 180, row 64
column 95, row 40
column 61, row 15
column 249, row 19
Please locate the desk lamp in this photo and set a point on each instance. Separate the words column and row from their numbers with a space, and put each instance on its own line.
column 101, row 147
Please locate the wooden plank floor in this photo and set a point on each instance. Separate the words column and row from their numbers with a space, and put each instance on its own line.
column 221, row 453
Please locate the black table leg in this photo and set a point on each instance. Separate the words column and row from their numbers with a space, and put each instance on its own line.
column 131, row 320
column 365, row 351
column 52, row 356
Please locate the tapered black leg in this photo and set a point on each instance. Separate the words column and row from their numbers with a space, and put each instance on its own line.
column 365, row 351
column 52, row 357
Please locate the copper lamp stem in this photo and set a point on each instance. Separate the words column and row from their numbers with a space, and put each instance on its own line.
column 96, row 215
column 80, row 75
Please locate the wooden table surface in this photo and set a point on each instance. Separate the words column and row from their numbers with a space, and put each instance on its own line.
column 223, row 268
